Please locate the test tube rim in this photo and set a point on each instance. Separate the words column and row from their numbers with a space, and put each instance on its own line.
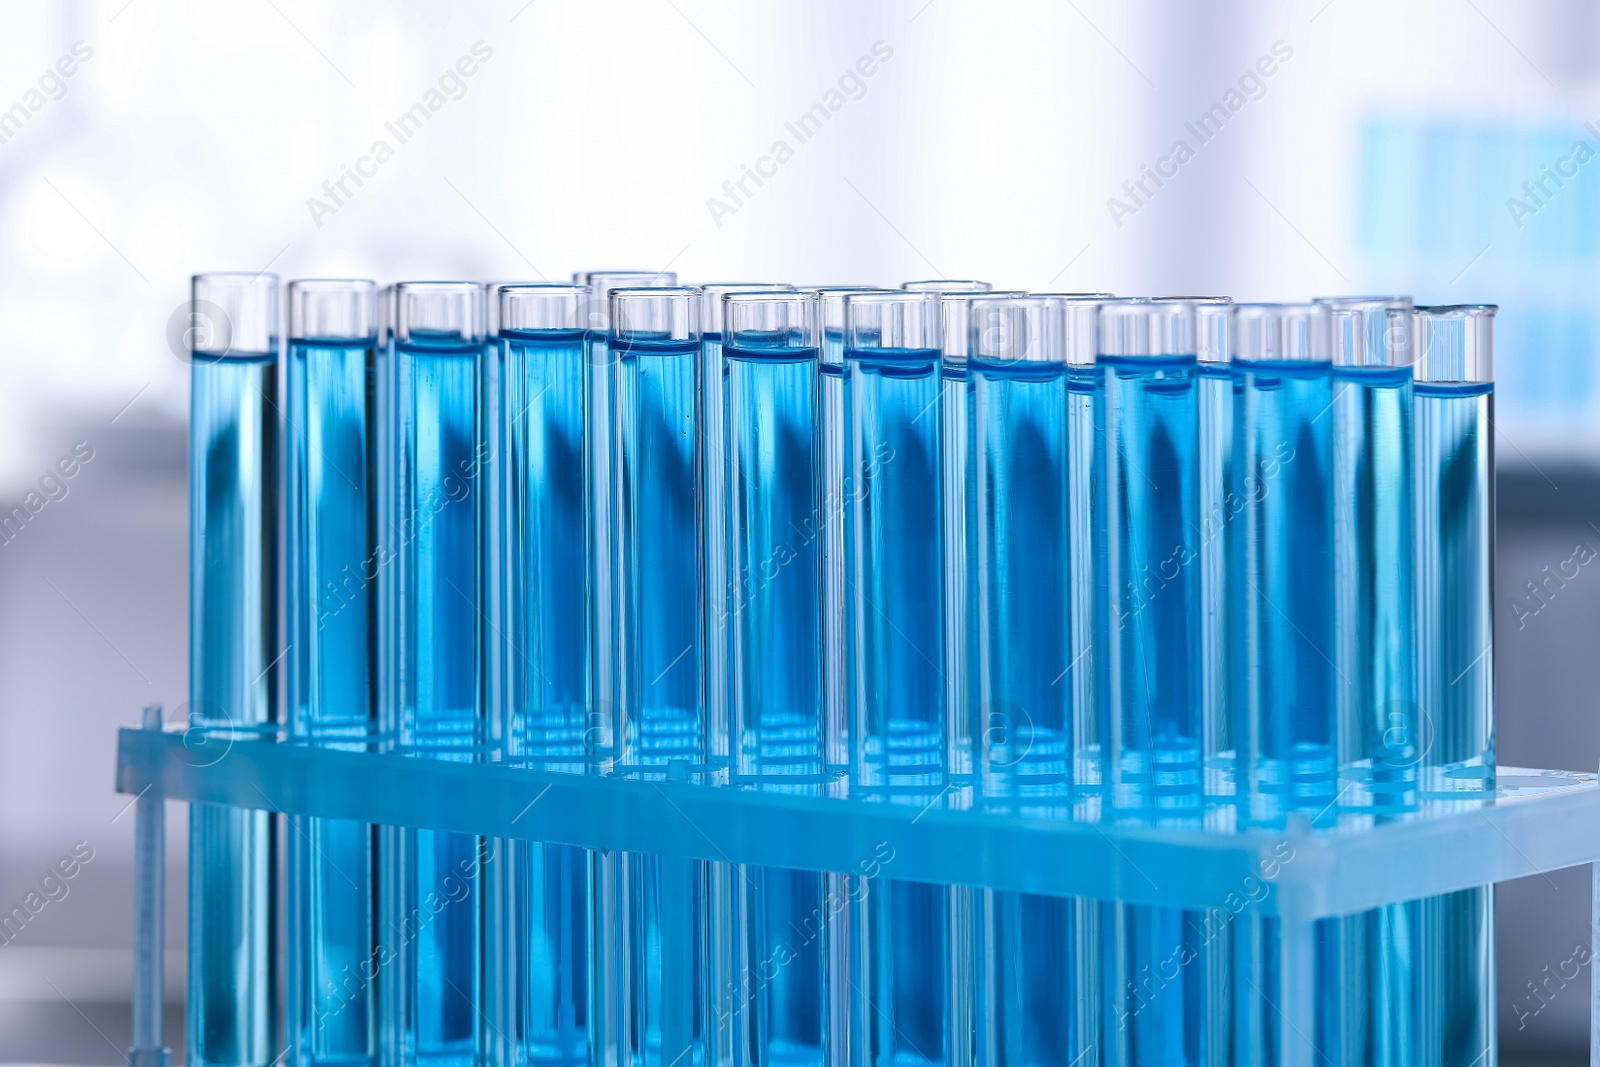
column 1042, row 301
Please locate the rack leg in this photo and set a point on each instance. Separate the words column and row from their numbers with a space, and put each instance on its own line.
column 1594, row 983
column 1297, row 991
column 149, row 920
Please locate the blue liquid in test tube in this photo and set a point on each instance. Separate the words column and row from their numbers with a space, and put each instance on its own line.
column 431, row 925
column 955, row 296
column 660, row 726
column 1377, row 1014
column 1081, row 311
column 234, row 431
column 837, row 487
column 714, row 480
column 913, row 996
column 543, row 346
column 966, row 723
column 333, row 660
column 603, row 483
column 771, row 355
column 1151, row 674
column 1031, row 951
column 1286, row 727
column 1453, row 409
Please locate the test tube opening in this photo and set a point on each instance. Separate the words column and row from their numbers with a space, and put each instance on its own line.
column 233, row 313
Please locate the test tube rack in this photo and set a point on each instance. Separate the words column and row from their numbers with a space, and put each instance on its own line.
column 1539, row 821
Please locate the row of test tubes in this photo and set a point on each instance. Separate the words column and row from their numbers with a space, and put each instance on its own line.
column 1176, row 560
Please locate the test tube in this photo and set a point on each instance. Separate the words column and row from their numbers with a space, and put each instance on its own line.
column 1374, row 1005
column 1151, row 729
column 333, row 655
column 713, row 458
column 1017, row 468
column 837, row 487
column 771, row 356
column 603, row 487
column 1285, row 725
column 967, row 723
column 660, row 727
column 1218, row 388
column 603, row 483
column 1020, row 569
column 542, row 335
column 1149, row 420
column 946, row 285
column 437, row 539
column 1454, row 416
column 914, row 1003
column 1453, row 409
column 1375, row 582
column 1080, row 340
column 234, row 428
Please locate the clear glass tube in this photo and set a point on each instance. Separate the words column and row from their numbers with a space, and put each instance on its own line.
column 1453, row 409
column 234, row 652
column 1285, row 724
column 654, row 348
column 837, row 486
column 966, row 726
column 438, row 702
column 1375, row 592
column 543, row 344
column 603, row 484
column 946, row 285
column 724, row 997
column 1149, row 421
column 772, row 348
column 1375, row 1005
column 714, row 460
column 1020, row 569
column 1218, row 388
column 1151, row 728
column 333, row 652
column 913, row 994
column 1016, row 406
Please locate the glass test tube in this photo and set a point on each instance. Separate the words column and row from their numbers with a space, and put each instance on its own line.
column 967, row 720
column 431, row 926
column 1285, row 724
column 542, row 337
column 914, row 993
column 333, row 655
column 1454, row 419
column 1375, row 591
column 1453, row 409
column 1149, row 422
column 660, row 726
column 1221, row 543
column 1081, row 312
column 234, row 649
column 771, row 355
column 946, row 285
column 1373, row 1012
column 1218, row 388
column 1151, row 727
column 1029, row 951
column 714, row 460
column 603, row 484
column 837, row 487
column 722, row 979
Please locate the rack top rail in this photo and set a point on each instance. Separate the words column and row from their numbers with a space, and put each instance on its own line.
column 1539, row 821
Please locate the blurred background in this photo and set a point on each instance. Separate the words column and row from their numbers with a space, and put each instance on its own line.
column 1446, row 148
